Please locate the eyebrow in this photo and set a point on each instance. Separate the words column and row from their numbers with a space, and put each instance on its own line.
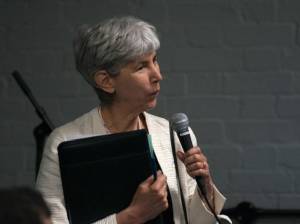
column 146, row 61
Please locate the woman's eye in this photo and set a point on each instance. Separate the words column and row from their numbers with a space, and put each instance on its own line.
column 140, row 67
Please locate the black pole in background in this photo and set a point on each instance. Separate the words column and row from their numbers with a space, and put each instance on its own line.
column 41, row 131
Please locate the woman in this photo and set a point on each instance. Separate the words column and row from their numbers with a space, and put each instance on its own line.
column 118, row 59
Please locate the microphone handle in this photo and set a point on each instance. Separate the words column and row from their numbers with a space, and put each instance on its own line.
column 186, row 143
column 185, row 140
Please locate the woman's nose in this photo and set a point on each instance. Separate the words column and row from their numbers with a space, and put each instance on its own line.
column 155, row 73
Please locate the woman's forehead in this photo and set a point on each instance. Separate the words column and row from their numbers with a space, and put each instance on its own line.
column 144, row 57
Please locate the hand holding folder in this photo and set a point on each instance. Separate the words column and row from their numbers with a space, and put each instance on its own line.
column 150, row 198
column 101, row 174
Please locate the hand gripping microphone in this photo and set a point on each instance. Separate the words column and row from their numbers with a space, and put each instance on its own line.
column 180, row 123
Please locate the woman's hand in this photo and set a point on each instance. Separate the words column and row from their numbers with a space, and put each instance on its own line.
column 149, row 200
column 196, row 165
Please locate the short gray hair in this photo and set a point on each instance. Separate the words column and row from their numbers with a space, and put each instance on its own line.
column 110, row 45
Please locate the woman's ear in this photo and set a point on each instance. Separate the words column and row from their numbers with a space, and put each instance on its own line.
column 104, row 81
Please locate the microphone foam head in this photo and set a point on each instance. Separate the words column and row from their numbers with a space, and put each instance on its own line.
column 179, row 122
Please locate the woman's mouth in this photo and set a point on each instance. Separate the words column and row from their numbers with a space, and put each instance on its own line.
column 155, row 93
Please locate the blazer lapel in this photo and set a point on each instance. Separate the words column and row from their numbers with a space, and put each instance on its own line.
column 162, row 149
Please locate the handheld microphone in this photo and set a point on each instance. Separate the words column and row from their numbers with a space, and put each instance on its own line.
column 180, row 123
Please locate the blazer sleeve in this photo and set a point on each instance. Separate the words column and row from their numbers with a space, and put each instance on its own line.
column 50, row 185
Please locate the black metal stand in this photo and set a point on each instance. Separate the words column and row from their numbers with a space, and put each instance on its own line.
column 41, row 131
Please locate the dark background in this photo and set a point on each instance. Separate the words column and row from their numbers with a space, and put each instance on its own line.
column 232, row 65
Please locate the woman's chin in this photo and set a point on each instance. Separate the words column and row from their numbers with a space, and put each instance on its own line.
column 151, row 104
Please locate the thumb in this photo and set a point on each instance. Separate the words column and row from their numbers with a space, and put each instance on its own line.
column 149, row 180
column 180, row 155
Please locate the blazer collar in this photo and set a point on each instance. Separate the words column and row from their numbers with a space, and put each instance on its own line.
column 160, row 140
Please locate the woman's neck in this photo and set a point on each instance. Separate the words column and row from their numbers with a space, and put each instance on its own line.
column 117, row 120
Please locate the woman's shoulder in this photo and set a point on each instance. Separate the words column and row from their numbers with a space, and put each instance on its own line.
column 161, row 124
column 157, row 122
column 78, row 128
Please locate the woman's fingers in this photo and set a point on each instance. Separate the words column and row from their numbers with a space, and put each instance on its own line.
column 195, row 162
column 181, row 156
column 196, row 166
column 160, row 181
column 191, row 156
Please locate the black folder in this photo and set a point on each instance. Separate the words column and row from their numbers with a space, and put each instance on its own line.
column 101, row 174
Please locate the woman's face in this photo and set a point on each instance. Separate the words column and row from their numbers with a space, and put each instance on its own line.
column 137, row 86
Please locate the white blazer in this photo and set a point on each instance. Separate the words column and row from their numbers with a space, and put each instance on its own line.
column 90, row 124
